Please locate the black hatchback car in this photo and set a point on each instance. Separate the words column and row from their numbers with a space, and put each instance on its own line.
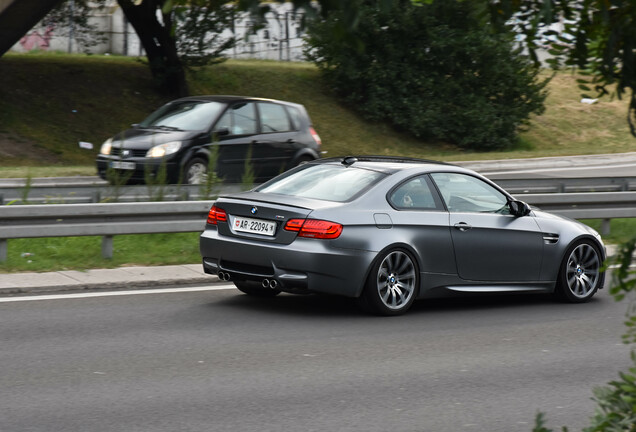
column 182, row 136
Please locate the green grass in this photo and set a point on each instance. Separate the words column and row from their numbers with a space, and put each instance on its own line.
column 621, row 230
column 48, row 103
column 80, row 253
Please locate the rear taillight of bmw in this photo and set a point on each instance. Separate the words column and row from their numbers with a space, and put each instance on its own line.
column 315, row 136
column 216, row 215
column 314, row 228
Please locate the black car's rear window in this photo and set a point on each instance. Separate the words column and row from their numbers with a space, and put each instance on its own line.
column 323, row 182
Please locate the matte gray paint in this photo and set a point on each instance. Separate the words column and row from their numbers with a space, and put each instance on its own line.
column 503, row 252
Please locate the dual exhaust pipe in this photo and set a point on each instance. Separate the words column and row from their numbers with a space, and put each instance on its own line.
column 267, row 283
column 270, row 283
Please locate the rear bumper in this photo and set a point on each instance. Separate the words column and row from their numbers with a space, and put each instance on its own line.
column 305, row 265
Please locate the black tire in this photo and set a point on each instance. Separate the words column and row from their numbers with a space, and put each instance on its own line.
column 255, row 289
column 195, row 171
column 580, row 273
column 392, row 285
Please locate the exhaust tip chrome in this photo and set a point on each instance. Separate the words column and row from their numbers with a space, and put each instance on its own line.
column 273, row 283
column 224, row 276
column 265, row 283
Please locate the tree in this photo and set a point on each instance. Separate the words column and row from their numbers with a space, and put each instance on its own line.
column 176, row 34
column 437, row 71
column 599, row 40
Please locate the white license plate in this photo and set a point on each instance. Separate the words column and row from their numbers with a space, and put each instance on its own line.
column 253, row 226
column 122, row 165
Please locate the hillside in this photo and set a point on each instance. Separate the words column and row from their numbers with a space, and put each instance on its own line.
column 48, row 103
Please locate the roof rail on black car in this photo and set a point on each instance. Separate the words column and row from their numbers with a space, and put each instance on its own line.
column 350, row 160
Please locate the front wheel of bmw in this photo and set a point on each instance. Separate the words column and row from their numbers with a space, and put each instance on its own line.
column 392, row 285
column 580, row 274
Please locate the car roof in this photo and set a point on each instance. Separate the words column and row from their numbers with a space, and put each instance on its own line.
column 385, row 164
column 233, row 98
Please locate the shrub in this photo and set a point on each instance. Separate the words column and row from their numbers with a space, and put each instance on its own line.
column 437, row 71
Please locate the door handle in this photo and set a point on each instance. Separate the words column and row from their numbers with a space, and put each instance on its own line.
column 463, row 226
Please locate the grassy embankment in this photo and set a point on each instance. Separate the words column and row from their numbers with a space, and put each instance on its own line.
column 48, row 103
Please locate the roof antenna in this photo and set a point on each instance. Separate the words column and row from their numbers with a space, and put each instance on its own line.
column 349, row 160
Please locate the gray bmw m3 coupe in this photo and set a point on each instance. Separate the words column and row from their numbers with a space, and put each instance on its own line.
column 390, row 230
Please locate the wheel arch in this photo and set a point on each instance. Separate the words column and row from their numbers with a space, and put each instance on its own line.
column 559, row 288
column 394, row 246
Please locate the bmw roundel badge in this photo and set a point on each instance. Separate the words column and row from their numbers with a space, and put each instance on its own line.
column 254, row 210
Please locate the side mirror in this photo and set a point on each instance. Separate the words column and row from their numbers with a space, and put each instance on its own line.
column 518, row 208
column 222, row 131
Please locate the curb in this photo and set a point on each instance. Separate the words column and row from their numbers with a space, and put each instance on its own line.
column 104, row 279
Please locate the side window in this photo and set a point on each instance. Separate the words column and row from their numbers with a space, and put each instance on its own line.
column 273, row 118
column 240, row 119
column 296, row 118
column 465, row 193
column 415, row 194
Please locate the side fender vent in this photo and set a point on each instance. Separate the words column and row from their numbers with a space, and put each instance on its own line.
column 550, row 238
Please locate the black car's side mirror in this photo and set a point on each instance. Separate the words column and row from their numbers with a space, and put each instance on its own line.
column 222, row 131
column 518, row 208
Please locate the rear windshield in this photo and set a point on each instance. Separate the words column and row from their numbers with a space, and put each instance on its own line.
column 323, row 182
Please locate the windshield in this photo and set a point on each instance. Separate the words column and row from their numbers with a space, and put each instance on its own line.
column 324, row 182
column 184, row 115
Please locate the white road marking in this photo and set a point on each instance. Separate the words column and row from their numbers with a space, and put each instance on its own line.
column 117, row 293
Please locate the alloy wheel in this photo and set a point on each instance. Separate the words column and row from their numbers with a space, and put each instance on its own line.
column 396, row 280
column 582, row 271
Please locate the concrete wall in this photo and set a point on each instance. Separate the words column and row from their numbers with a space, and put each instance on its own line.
column 281, row 39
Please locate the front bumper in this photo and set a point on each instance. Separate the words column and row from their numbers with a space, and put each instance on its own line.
column 143, row 167
column 305, row 265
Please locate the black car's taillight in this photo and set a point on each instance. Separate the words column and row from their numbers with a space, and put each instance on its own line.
column 315, row 136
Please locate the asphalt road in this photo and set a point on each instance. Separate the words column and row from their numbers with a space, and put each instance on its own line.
column 221, row 361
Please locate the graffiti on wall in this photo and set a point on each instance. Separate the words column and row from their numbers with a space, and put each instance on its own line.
column 35, row 40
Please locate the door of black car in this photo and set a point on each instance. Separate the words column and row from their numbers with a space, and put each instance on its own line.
column 276, row 144
column 235, row 130
column 490, row 244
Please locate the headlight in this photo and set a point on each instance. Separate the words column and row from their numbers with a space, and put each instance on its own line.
column 106, row 147
column 164, row 149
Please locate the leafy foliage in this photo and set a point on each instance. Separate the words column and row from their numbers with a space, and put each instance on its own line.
column 598, row 38
column 436, row 71
column 71, row 19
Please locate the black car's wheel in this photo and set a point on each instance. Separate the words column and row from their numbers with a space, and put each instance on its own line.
column 580, row 274
column 392, row 284
column 255, row 289
column 304, row 158
column 196, row 171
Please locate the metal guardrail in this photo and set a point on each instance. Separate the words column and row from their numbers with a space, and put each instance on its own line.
column 14, row 193
column 567, row 185
column 73, row 191
column 107, row 220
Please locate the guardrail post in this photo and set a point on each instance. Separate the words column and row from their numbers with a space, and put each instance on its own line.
column 107, row 246
column 3, row 250
column 605, row 226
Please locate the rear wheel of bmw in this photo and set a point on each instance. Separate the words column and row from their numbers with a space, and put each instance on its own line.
column 392, row 285
column 580, row 274
column 255, row 289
